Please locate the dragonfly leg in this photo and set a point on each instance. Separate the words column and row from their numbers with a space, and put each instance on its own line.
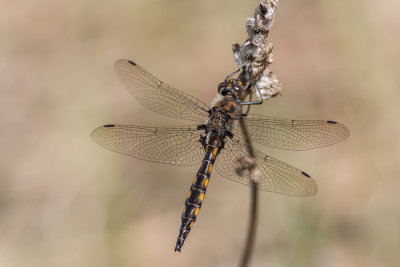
column 233, row 73
column 260, row 101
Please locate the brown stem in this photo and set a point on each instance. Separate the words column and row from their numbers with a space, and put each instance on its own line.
column 248, row 249
column 253, row 57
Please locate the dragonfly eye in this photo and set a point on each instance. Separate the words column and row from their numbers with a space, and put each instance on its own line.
column 240, row 91
column 222, row 85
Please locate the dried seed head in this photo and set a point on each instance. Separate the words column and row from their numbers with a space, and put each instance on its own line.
column 255, row 55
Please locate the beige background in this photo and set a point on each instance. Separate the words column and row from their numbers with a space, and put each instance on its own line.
column 66, row 201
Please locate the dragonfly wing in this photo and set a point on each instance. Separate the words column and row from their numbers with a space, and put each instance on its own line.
column 293, row 134
column 171, row 145
column 272, row 175
column 157, row 95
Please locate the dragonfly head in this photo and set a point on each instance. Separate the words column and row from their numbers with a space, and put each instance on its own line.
column 232, row 88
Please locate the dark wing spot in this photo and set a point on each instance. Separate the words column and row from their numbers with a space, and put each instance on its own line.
column 305, row 174
column 331, row 122
column 109, row 125
column 132, row 63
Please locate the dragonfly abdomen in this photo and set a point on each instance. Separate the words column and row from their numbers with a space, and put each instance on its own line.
column 196, row 195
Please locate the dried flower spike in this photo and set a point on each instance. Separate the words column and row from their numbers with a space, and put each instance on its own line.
column 255, row 55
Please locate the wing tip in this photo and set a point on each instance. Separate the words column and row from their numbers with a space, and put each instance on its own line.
column 124, row 62
column 312, row 193
column 93, row 135
column 310, row 190
column 345, row 132
column 95, row 132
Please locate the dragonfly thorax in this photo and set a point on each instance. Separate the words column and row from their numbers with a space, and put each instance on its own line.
column 226, row 108
column 222, row 116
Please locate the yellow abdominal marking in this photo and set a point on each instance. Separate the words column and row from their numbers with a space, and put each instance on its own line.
column 210, row 168
column 191, row 224
column 197, row 211
column 201, row 197
column 190, row 193
column 184, row 209
column 206, row 182
column 215, row 151
column 195, row 180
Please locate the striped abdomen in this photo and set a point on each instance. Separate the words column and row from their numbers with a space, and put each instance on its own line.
column 196, row 195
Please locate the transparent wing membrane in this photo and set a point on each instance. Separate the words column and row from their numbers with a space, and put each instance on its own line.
column 182, row 146
column 271, row 174
column 293, row 134
column 171, row 145
column 159, row 96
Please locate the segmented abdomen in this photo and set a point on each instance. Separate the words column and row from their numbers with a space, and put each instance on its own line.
column 196, row 195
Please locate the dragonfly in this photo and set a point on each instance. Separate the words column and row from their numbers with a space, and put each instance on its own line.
column 216, row 140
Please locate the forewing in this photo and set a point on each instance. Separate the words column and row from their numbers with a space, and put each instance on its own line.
column 293, row 134
column 171, row 145
column 271, row 174
column 157, row 95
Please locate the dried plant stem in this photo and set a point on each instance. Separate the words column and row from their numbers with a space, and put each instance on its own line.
column 254, row 57
column 251, row 232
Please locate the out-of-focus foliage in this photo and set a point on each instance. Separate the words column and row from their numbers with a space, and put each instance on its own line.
column 67, row 202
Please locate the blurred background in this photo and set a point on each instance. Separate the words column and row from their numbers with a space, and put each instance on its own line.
column 66, row 201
